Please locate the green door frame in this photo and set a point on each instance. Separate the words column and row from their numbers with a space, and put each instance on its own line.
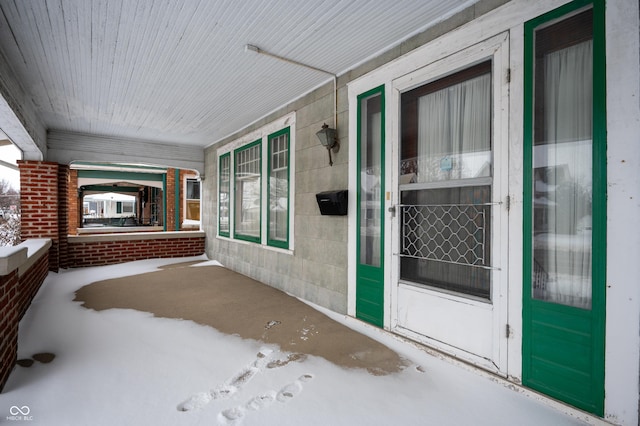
column 563, row 347
column 370, row 279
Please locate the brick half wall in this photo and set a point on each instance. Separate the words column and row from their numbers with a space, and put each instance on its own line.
column 23, row 269
column 95, row 250
column 9, row 320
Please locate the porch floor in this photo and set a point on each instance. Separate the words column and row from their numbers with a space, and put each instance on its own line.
column 172, row 342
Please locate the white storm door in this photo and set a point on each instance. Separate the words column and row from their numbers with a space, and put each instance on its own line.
column 451, row 217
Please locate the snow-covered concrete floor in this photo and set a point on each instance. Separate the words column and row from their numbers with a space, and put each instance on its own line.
column 127, row 367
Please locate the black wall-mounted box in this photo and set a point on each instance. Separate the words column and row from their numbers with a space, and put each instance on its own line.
column 333, row 203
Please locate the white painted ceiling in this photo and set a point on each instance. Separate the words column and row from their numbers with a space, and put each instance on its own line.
column 176, row 71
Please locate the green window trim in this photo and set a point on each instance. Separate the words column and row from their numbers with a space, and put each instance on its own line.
column 249, row 207
column 596, row 315
column 115, row 175
column 282, row 242
column 237, row 167
column 224, row 157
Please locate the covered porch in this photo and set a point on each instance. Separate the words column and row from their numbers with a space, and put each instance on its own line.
column 185, row 341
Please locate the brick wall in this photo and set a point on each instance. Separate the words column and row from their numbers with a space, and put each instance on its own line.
column 51, row 209
column 171, row 199
column 8, row 324
column 30, row 282
column 73, row 202
column 18, row 287
column 181, row 185
column 93, row 253
column 39, row 204
column 64, row 208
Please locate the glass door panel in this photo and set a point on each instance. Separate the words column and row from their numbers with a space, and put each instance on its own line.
column 565, row 205
column 562, row 166
column 445, row 183
column 445, row 239
column 370, row 268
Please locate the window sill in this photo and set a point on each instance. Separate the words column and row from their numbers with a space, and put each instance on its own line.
column 77, row 239
column 250, row 243
column 118, row 229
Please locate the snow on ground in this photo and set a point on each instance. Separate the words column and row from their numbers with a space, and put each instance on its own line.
column 123, row 367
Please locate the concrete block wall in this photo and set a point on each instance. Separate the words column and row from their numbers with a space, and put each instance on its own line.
column 316, row 268
column 94, row 250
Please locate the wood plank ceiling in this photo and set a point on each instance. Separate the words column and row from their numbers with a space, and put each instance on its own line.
column 176, row 71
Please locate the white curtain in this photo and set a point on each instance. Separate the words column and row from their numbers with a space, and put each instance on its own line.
column 454, row 132
column 371, row 163
column 563, row 180
column 454, row 142
column 279, row 188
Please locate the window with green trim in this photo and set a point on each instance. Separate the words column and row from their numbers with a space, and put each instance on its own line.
column 278, row 197
column 247, row 192
column 192, row 197
column 224, row 194
column 254, row 201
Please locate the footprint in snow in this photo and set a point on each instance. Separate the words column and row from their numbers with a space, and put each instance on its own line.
column 259, row 402
column 230, row 386
column 293, row 388
column 234, row 415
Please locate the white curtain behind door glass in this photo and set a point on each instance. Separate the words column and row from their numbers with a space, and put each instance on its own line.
column 370, row 176
column 454, row 132
column 563, row 180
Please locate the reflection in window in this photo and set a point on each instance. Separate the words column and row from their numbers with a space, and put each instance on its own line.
column 446, row 223
column 371, row 180
column 193, row 199
column 279, row 189
column 562, row 162
column 224, row 194
column 447, row 128
column 247, row 192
